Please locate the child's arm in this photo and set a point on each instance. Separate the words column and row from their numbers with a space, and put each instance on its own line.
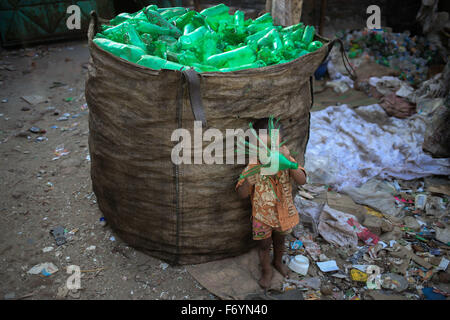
column 245, row 189
column 298, row 175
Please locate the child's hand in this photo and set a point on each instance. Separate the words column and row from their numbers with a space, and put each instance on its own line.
column 253, row 179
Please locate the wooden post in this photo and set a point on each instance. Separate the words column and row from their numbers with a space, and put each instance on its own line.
column 197, row 5
column 323, row 8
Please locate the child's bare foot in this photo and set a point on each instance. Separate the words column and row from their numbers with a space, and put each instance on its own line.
column 266, row 278
column 281, row 268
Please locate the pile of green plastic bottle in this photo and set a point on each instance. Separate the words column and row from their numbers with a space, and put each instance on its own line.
column 209, row 41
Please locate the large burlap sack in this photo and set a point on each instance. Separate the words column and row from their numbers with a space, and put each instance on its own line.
column 183, row 213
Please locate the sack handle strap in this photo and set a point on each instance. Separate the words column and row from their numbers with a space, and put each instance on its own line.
column 193, row 79
column 347, row 63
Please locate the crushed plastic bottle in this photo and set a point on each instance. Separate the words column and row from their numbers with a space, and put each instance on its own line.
column 212, row 40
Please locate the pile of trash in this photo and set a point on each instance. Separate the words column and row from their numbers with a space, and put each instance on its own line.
column 399, row 51
column 347, row 147
column 210, row 41
column 343, row 250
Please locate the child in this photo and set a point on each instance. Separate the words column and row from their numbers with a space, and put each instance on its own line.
column 273, row 211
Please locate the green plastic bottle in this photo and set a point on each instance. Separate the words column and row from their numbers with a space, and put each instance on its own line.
column 265, row 18
column 187, row 58
column 214, row 16
column 215, row 11
column 315, row 45
column 155, row 18
column 157, row 63
column 154, row 30
column 133, row 38
column 271, row 39
column 301, row 53
column 239, row 22
column 256, row 64
column 256, row 36
column 288, row 42
column 188, row 28
column 255, row 27
column 117, row 32
column 293, row 28
column 124, row 51
column 120, row 18
column 308, row 35
column 170, row 41
column 183, row 20
column 233, row 58
column 160, row 49
column 209, row 45
column 269, row 56
column 140, row 16
column 192, row 39
column 204, row 68
column 297, row 35
column 169, row 13
column 198, row 21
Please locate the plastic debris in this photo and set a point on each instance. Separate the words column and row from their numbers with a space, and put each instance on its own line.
column 358, row 275
column 431, row 294
column 328, row 266
column 46, row 268
column 164, row 266
column 443, row 265
column 59, row 235
column 349, row 160
column 335, row 229
column 36, row 130
column 297, row 244
column 34, row 99
column 299, row 264
column 60, row 151
column 400, row 51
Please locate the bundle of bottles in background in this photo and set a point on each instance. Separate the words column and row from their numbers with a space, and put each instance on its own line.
column 410, row 55
column 209, row 41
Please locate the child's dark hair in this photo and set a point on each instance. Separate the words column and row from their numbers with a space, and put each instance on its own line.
column 264, row 124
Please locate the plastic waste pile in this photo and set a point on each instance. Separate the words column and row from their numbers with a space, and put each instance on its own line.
column 387, row 147
column 209, row 41
column 362, row 252
column 410, row 55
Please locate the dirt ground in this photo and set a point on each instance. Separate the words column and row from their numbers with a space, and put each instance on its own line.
column 39, row 193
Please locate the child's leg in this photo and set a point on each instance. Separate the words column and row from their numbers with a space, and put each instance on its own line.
column 278, row 250
column 262, row 234
column 264, row 259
